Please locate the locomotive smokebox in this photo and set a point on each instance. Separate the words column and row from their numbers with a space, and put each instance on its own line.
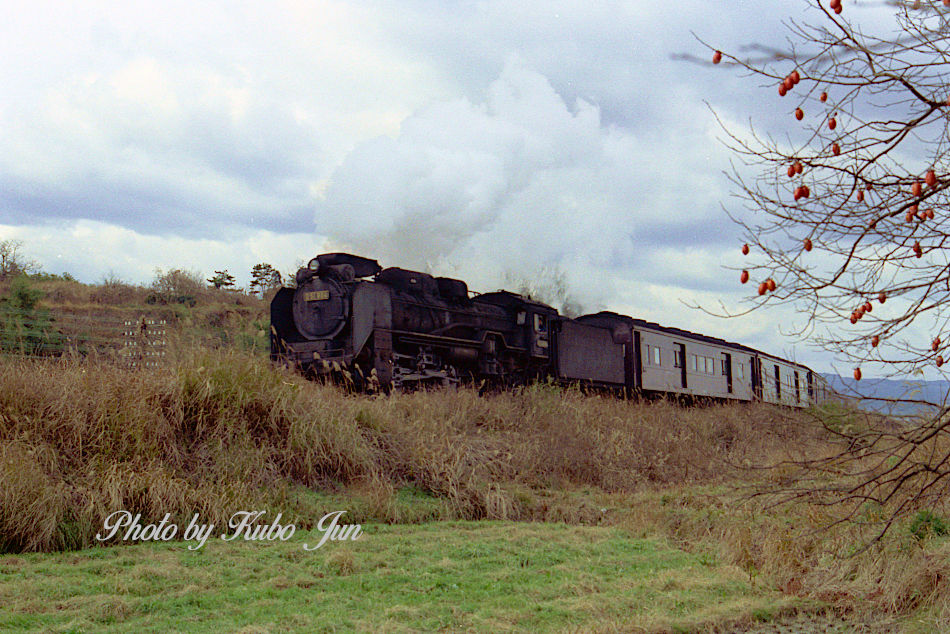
column 321, row 304
column 320, row 307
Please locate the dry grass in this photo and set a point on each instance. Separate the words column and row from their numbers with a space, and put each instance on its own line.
column 225, row 431
column 221, row 431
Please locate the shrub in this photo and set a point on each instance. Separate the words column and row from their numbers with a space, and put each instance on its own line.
column 24, row 327
column 928, row 524
column 176, row 286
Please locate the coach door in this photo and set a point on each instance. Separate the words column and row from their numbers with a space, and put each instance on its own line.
column 637, row 361
column 679, row 360
column 727, row 370
column 756, row 377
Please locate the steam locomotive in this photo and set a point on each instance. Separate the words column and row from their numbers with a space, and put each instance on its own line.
column 397, row 329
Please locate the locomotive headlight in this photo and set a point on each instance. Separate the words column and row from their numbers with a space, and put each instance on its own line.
column 313, row 264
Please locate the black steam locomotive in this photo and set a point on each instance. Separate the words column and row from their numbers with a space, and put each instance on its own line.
column 393, row 328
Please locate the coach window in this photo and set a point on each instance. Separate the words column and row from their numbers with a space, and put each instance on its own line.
column 540, row 323
column 678, row 357
column 656, row 355
column 521, row 317
column 741, row 371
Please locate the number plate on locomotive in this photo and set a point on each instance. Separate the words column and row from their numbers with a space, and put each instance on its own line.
column 316, row 296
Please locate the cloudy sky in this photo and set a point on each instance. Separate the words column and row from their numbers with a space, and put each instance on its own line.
column 492, row 140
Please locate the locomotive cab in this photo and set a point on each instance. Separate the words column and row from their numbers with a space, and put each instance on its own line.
column 533, row 319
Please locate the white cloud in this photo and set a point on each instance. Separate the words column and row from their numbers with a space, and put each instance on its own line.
column 205, row 135
column 523, row 179
column 134, row 257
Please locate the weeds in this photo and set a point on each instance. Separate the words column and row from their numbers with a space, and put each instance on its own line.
column 224, row 431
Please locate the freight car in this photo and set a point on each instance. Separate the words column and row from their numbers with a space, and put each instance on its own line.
column 394, row 328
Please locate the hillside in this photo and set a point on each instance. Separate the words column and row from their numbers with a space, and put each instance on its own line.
column 881, row 395
column 675, row 505
column 47, row 315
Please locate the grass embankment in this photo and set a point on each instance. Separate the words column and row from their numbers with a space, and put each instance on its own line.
column 226, row 431
column 218, row 433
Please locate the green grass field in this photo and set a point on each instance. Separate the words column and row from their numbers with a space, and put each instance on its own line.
column 485, row 576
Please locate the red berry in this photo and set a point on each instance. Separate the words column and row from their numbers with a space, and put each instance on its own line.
column 717, row 57
column 807, row 244
column 799, row 114
column 824, row 97
column 832, row 124
column 882, row 297
column 931, row 178
column 745, row 249
column 857, row 374
column 744, row 277
column 875, row 340
column 835, row 149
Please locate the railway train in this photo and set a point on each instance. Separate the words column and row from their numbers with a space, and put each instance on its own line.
column 398, row 329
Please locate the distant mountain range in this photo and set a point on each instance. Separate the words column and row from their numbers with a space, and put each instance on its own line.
column 911, row 389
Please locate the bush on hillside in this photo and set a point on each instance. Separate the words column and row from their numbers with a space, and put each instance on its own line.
column 25, row 328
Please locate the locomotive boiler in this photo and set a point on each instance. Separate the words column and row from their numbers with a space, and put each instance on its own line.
column 398, row 328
